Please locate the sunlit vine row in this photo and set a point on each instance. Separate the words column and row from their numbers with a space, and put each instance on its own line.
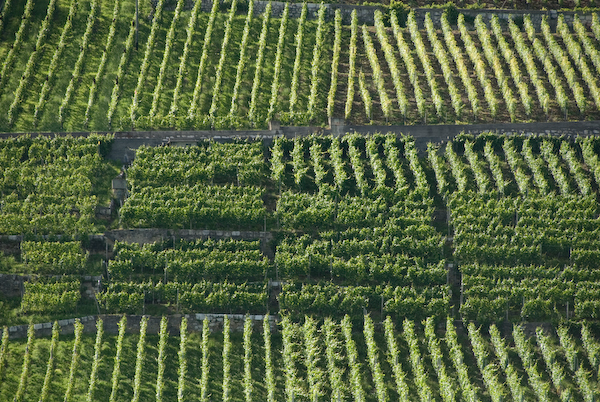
column 409, row 63
column 216, row 91
column 101, row 66
column 31, row 63
column 165, row 60
column 479, row 65
column 384, row 99
column 76, row 74
column 277, row 71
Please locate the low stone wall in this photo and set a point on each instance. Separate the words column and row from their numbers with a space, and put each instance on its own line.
column 11, row 285
column 125, row 143
column 143, row 236
column 110, row 323
column 215, row 322
column 505, row 15
column 365, row 14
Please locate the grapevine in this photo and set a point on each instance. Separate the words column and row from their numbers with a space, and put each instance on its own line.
column 16, row 45
column 446, row 387
column 242, row 61
column 373, row 355
column 75, row 75
column 219, row 72
column 269, row 376
column 204, row 396
column 365, row 95
column 512, row 377
column 141, row 81
column 107, row 47
column 162, row 345
column 355, row 376
column 394, row 360
column 479, row 65
column 31, row 63
column 542, row 55
column 337, row 45
column 278, row 55
column 247, row 381
column 3, row 350
column 312, row 356
column 49, row 365
column 331, row 351
column 386, row 104
column 296, row 70
column 524, row 52
column 351, row 65
column 116, row 374
column 139, row 360
column 411, row 68
column 438, row 101
column 75, row 355
column 112, row 105
column 165, row 60
column 442, row 58
column 191, row 28
column 316, row 61
column 287, row 333
column 203, row 60
column 511, row 60
column 96, row 361
column 491, row 55
column 182, row 359
column 20, row 393
column 262, row 43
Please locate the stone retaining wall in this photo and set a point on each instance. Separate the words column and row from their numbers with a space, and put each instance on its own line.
column 505, row 15
column 143, row 236
column 365, row 14
column 110, row 323
column 195, row 322
column 125, row 143
column 11, row 285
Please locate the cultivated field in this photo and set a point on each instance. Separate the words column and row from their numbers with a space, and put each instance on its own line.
column 309, row 361
column 74, row 66
column 492, row 228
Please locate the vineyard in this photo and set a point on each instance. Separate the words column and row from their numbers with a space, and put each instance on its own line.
column 422, row 270
column 487, row 228
column 309, row 361
column 75, row 66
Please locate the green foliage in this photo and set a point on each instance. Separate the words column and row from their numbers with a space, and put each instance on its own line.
column 54, row 258
column 214, row 260
column 52, row 297
column 48, row 186
column 129, row 297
